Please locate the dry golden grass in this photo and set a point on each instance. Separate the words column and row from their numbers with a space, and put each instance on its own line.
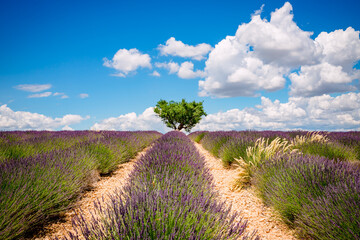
column 308, row 138
column 263, row 151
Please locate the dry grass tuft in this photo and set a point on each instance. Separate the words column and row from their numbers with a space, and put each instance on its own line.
column 260, row 152
column 308, row 138
column 264, row 151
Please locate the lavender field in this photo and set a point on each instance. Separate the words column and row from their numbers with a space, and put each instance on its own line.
column 169, row 196
column 310, row 179
column 43, row 173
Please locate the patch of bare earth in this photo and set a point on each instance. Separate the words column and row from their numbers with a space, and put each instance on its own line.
column 105, row 186
column 245, row 201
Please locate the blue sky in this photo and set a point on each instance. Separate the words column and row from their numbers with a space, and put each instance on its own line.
column 104, row 64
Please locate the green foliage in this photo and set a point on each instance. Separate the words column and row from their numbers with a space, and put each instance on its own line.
column 329, row 150
column 104, row 157
column 199, row 137
column 232, row 150
column 214, row 145
column 180, row 115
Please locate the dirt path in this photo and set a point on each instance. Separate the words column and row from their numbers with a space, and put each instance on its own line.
column 105, row 186
column 245, row 201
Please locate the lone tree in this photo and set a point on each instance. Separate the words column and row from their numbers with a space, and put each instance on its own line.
column 180, row 115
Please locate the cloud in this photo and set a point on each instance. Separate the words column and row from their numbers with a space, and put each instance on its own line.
column 178, row 48
column 185, row 70
column 239, row 77
column 61, row 95
column 83, row 95
column 67, row 128
column 259, row 11
column 279, row 41
column 19, row 120
column 335, row 73
column 40, row 95
column 147, row 120
column 308, row 113
column 39, row 88
column 262, row 54
column 33, row 87
column 340, row 48
column 155, row 74
column 126, row 61
column 319, row 79
column 171, row 66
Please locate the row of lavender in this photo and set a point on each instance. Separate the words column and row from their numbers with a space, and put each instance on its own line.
column 311, row 180
column 229, row 145
column 169, row 195
column 43, row 173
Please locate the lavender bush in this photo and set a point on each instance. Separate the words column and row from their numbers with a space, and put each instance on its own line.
column 213, row 141
column 336, row 215
column 315, row 190
column 43, row 173
column 235, row 148
column 36, row 188
column 229, row 145
column 197, row 136
column 349, row 139
column 330, row 150
column 114, row 148
column 169, row 195
column 305, row 191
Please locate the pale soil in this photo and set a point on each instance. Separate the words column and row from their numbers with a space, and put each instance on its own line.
column 102, row 188
column 245, row 201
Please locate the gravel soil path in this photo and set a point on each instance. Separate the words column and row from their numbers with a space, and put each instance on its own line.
column 105, row 186
column 245, row 201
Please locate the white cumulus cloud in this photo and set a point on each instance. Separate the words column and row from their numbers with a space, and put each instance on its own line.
column 173, row 67
column 21, row 120
column 320, row 79
column 126, row 61
column 33, row 87
column 185, row 70
column 308, row 113
column 147, row 120
column 67, row 128
column 263, row 53
column 178, row 48
column 340, row 48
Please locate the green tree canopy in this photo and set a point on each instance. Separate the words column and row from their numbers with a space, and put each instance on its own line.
column 180, row 115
